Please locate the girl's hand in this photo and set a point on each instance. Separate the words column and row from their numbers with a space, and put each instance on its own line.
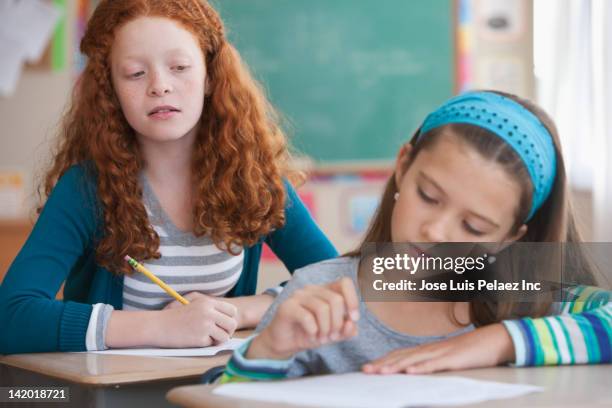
column 484, row 347
column 191, row 296
column 250, row 308
column 205, row 321
column 311, row 317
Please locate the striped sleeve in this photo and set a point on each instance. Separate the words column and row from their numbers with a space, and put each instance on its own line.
column 581, row 334
column 241, row 369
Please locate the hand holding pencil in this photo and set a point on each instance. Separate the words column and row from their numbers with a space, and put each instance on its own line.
column 201, row 322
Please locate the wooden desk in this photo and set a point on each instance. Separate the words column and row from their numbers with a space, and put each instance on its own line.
column 577, row 386
column 98, row 380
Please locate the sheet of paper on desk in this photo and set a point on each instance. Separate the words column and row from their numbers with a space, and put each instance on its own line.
column 231, row 344
column 358, row 390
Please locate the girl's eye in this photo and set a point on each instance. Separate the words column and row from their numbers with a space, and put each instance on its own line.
column 472, row 230
column 181, row 67
column 137, row 74
column 425, row 197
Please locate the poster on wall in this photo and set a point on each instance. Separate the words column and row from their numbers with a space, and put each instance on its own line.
column 26, row 28
column 361, row 207
column 500, row 19
column 12, row 194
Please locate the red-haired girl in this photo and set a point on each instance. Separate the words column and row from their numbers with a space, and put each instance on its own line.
column 169, row 153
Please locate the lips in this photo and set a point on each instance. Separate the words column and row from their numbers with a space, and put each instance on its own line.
column 163, row 109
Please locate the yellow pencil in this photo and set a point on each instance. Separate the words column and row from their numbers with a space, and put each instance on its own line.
column 137, row 266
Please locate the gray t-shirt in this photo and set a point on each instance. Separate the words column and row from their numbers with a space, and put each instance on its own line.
column 374, row 338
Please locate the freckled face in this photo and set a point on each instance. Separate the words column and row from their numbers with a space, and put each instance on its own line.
column 159, row 76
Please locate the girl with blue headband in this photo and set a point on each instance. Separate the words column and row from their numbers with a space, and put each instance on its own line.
column 484, row 167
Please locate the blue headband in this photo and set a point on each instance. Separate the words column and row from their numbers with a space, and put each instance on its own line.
column 514, row 124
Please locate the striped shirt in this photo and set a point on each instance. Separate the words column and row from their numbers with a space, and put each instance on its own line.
column 187, row 264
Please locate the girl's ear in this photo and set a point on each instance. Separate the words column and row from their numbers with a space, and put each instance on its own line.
column 496, row 247
column 519, row 234
column 511, row 239
column 401, row 163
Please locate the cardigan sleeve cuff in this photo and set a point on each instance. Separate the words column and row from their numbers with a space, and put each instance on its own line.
column 73, row 326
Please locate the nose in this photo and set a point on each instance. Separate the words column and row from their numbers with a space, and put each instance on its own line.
column 159, row 85
column 437, row 229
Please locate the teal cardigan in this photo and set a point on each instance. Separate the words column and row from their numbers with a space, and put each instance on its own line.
column 61, row 248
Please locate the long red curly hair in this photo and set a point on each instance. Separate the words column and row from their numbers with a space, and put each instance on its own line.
column 239, row 158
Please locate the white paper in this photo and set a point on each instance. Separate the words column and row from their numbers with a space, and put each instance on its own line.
column 231, row 344
column 358, row 390
column 32, row 21
column 26, row 27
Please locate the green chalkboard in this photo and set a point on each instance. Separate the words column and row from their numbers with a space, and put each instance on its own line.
column 354, row 78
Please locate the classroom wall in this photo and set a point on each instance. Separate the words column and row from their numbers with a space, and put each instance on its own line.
column 29, row 116
column 501, row 41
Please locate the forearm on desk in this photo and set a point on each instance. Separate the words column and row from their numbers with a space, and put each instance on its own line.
column 142, row 328
column 133, row 328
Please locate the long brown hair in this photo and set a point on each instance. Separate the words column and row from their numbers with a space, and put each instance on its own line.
column 239, row 158
column 553, row 222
